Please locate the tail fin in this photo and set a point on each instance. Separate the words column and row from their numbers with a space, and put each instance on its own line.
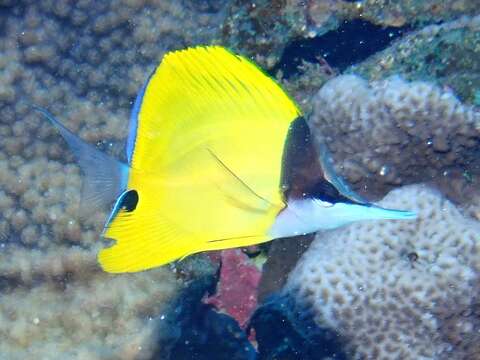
column 104, row 177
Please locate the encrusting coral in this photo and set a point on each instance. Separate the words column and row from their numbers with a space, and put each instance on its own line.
column 398, row 289
column 393, row 132
column 262, row 29
column 447, row 54
column 237, row 286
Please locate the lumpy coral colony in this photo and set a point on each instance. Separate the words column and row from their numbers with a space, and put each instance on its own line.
column 398, row 290
column 416, row 132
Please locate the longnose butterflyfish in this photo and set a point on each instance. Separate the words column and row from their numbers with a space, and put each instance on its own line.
column 211, row 138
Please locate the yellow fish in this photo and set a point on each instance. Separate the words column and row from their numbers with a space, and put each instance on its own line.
column 210, row 136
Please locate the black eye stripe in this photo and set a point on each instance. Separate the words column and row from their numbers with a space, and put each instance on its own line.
column 129, row 200
column 325, row 191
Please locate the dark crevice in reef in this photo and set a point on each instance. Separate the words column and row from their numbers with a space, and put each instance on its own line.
column 9, row 8
column 191, row 329
column 285, row 330
column 351, row 43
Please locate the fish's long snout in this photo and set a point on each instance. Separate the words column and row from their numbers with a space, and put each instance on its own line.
column 379, row 213
column 307, row 216
column 344, row 213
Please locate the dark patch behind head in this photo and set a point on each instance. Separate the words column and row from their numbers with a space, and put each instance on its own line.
column 302, row 175
column 300, row 167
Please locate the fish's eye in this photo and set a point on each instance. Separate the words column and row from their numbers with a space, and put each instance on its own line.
column 324, row 191
column 129, row 200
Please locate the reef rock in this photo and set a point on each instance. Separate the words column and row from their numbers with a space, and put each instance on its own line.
column 446, row 54
column 264, row 28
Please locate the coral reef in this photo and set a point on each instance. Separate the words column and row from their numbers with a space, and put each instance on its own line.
column 444, row 58
column 447, row 54
column 84, row 61
column 392, row 132
column 283, row 254
column 399, row 13
column 397, row 289
column 304, row 84
column 264, row 28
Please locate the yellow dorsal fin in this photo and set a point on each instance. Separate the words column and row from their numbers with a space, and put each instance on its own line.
column 206, row 162
column 204, row 93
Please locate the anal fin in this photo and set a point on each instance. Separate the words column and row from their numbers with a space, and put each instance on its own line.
column 144, row 240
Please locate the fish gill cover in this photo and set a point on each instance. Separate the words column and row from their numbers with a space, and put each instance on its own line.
column 86, row 60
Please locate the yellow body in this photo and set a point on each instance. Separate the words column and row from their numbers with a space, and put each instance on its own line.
column 207, row 160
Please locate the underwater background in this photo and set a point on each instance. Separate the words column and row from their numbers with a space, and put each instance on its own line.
column 393, row 89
